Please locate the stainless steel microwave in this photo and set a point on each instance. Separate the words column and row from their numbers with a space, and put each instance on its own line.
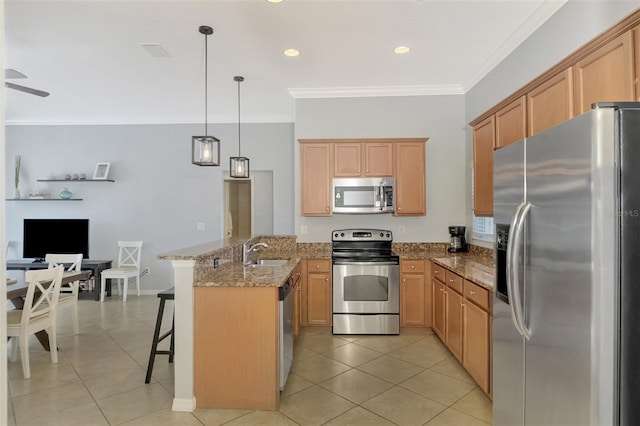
column 364, row 195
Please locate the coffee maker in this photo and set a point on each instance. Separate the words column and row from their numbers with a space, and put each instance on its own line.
column 457, row 243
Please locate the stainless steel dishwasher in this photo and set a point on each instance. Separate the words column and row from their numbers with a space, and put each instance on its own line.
column 285, row 297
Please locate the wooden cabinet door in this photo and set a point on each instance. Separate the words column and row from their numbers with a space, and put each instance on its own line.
column 511, row 123
column 412, row 308
column 550, row 103
column 475, row 344
column 346, row 160
column 410, row 179
column 315, row 179
column 319, row 301
column 636, row 57
column 483, row 141
column 378, row 159
column 438, row 323
column 453, row 327
column 606, row 75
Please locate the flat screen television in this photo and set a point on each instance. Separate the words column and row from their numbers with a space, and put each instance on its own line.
column 42, row 236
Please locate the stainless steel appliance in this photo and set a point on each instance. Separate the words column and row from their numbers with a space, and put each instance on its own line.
column 566, row 345
column 364, row 195
column 366, row 282
column 285, row 296
column 457, row 243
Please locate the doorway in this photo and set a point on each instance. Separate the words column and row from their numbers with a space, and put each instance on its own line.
column 248, row 205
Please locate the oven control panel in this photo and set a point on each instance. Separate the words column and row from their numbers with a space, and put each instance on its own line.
column 361, row 235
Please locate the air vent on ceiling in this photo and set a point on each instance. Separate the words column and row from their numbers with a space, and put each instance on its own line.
column 155, row 50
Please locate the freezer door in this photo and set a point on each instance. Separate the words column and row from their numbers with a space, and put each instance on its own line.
column 568, row 176
column 508, row 343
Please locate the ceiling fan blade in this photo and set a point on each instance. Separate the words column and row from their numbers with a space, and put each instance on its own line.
column 11, row 73
column 27, row 89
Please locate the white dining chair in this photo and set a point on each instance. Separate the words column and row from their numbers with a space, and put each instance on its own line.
column 128, row 267
column 38, row 313
column 68, row 292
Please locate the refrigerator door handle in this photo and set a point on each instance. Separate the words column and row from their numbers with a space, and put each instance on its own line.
column 513, row 278
column 511, row 267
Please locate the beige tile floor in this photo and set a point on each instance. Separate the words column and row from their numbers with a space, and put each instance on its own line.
column 336, row 380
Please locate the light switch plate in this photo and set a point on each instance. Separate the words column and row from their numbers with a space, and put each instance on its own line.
column 200, row 226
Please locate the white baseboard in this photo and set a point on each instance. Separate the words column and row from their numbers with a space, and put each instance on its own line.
column 188, row 405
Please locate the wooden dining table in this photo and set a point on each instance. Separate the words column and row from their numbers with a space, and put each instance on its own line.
column 17, row 291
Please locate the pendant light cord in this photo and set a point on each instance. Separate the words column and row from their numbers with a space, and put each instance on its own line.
column 206, row 61
column 239, row 117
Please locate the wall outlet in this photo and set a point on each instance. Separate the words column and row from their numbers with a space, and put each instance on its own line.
column 303, row 229
column 200, row 226
column 401, row 230
column 146, row 271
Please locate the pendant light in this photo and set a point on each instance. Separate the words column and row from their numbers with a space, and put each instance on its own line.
column 239, row 166
column 205, row 150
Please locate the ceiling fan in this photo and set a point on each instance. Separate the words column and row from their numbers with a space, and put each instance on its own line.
column 11, row 73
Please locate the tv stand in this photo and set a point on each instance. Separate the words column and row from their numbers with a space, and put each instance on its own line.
column 95, row 266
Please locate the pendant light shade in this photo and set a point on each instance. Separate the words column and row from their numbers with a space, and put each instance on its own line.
column 239, row 166
column 205, row 150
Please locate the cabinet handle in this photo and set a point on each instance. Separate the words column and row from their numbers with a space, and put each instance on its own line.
column 404, row 280
column 462, row 305
column 471, row 292
column 436, row 272
column 327, row 208
column 326, row 280
column 451, row 280
column 442, row 289
column 317, row 266
column 413, row 266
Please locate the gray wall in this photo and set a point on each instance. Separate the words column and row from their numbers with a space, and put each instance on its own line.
column 573, row 25
column 158, row 196
column 440, row 118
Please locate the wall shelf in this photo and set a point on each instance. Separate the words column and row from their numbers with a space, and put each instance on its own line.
column 42, row 199
column 75, row 180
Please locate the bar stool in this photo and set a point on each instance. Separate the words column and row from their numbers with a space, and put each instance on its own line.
column 164, row 296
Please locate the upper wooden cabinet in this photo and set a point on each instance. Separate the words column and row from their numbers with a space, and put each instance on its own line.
column 410, row 179
column 363, row 159
column 321, row 160
column 511, row 123
column 315, row 177
column 606, row 74
column 550, row 103
column 636, row 55
column 483, row 141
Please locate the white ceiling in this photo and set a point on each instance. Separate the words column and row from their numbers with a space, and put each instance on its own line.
column 87, row 54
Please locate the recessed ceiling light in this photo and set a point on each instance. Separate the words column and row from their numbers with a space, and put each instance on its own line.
column 401, row 50
column 291, row 52
column 275, row 1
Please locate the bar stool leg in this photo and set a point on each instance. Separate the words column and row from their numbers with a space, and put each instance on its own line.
column 171, row 347
column 154, row 344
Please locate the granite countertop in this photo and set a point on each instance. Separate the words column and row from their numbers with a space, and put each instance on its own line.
column 234, row 274
column 476, row 265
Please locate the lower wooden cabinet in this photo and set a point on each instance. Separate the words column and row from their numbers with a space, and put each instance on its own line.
column 317, row 298
column 475, row 343
column 462, row 320
column 453, row 327
column 415, row 293
column 438, row 308
column 297, row 300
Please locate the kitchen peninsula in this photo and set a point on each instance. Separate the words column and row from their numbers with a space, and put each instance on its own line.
column 236, row 309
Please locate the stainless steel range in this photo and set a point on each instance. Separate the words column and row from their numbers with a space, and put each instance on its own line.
column 366, row 282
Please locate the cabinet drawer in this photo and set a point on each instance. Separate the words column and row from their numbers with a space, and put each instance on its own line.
column 318, row 266
column 438, row 272
column 453, row 281
column 476, row 294
column 412, row 266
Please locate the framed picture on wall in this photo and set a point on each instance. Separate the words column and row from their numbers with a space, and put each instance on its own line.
column 102, row 171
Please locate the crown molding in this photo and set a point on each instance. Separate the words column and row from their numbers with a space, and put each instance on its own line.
column 375, row 91
column 539, row 17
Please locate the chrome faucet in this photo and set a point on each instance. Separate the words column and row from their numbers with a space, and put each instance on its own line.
column 246, row 251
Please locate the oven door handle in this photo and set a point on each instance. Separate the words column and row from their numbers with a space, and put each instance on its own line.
column 348, row 262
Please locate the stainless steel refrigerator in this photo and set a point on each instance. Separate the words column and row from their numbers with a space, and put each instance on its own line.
column 566, row 329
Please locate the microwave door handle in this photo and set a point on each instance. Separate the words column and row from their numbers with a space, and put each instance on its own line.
column 383, row 203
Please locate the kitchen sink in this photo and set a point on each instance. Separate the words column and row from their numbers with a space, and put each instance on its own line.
column 268, row 262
